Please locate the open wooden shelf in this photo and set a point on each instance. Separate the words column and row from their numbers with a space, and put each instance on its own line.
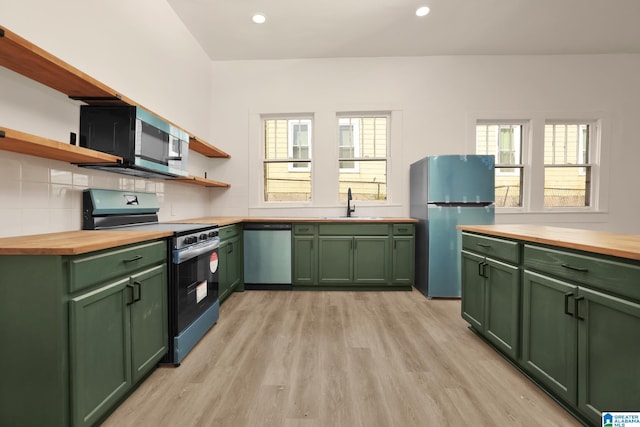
column 205, row 148
column 204, row 182
column 27, row 59
column 24, row 143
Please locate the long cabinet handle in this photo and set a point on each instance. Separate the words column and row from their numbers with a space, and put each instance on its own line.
column 566, row 303
column 138, row 285
column 576, row 306
column 483, row 245
column 135, row 258
column 574, row 268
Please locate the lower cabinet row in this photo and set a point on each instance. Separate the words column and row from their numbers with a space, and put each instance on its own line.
column 84, row 330
column 569, row 320
column 339, row 255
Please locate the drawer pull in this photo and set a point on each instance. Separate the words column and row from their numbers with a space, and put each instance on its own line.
column 139, row 286
column 303, row 229
column 566, row 303
column 135, row 258
column 571, row 267
column 132, row 291
column 483, row 245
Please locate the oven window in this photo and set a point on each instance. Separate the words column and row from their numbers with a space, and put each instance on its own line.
column 196, row 282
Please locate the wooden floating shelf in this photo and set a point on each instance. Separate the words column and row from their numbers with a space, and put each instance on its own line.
column 204, row 182
column 27, row 59
column 206, row 149
column 24, row 143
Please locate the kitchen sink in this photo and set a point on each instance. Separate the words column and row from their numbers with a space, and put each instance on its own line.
column 352, row 217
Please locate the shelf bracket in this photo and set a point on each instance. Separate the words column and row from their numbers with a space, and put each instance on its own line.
column 2, row 134
column 1, row 32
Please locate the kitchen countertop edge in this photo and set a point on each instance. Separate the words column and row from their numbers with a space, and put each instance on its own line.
column 83, row 241
column 599, row 242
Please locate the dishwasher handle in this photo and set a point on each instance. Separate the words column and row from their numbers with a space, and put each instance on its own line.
column 276, row 226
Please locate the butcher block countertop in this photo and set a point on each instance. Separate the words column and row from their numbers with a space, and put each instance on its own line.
column 83, row 241
column 228, row 220
column 74, row 242
column 600, row 242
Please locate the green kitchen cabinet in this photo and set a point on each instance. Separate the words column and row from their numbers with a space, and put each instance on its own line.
column 371, row 260
column 549, row 334
column 403, row 254
column 85, row 330
column 230, row 256
column 578, row 340
column 491, row 290
column 304, row 263
column 335, row 260
column 354, row 254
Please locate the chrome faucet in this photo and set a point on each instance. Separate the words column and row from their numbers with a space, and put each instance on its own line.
column 349, row 198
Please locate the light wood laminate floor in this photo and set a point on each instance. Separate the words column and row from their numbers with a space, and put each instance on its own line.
column 327, row 359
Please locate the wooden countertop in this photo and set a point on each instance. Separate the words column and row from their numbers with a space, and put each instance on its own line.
column 83, row 241
column 600, row 242
column 227, row 220
column 74, row 242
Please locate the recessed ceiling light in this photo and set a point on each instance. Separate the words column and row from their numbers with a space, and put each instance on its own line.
column 422, row 11
column 259, row 18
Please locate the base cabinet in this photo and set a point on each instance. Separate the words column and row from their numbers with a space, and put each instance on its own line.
column 579, row 316
column 80, row 351
column 491, row 292
column 353, row 256
column 230, row 255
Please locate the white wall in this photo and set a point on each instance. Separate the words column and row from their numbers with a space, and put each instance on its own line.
column 139, row 48
column 437, row 100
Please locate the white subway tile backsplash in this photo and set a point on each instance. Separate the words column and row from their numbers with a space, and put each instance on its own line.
column 35, row 195
column 10, row 167
column 11, row 223
column 36, row 221
column 57, row 176
column 60, row 196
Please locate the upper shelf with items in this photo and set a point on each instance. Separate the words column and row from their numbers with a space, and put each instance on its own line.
column 27, row 59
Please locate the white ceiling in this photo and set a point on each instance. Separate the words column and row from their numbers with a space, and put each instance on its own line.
column 368, row 28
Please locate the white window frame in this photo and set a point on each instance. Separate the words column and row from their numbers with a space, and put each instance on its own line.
column 290, row 140
column 533, row 162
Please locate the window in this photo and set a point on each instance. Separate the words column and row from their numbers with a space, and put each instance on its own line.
column 287, row 159
column 504, row 141
column 299, row 138
column 348, row 135
column 363, row 143
column 567, row 171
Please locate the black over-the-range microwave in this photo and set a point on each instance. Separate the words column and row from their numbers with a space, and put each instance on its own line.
column 149, row 146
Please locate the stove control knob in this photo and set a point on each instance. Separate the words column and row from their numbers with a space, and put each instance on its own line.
column 190, row 239
column 203, row 236
column 213, row 234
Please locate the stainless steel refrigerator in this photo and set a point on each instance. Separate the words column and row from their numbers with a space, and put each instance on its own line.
column 446, row 191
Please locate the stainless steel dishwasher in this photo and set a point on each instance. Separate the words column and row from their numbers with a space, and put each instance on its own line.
column 267, row 256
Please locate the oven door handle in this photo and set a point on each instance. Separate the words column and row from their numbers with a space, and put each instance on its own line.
column 185, row 254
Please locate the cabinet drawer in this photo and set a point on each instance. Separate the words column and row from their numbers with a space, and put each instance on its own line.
column 228, row 231
column 101, row 266
column 354, row 229
column 618, row 277
column 304, row 229
column 506, row 250
column 403, row 229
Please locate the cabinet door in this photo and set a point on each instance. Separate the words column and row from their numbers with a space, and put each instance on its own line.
column 371, row 260
column 234, row 263
column 224, row 277
column 549, row 333
column 473, row 290
column 403, row 260
column 335, row 262
column 608, row 354
column 502, row 309
column 304, row 260
column 149, row 325
column 99, row 350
